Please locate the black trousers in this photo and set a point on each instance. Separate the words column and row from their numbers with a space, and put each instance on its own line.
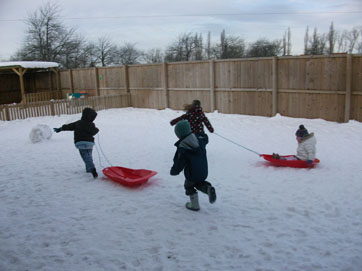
column 190, row 187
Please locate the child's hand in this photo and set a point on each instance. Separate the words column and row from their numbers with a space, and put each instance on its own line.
column 57, row 130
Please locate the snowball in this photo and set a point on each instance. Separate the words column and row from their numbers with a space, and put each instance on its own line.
column 40, row 133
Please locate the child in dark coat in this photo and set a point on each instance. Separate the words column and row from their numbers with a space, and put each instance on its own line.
column 191, row 157
column 84, row 132
column 196, row 117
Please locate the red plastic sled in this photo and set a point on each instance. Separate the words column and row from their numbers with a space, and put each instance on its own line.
column 128, row 176
column 288, row 161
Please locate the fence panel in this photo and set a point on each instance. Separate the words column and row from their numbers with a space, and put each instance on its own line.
column 356, row 99
column 145, row 86
column 84, row 80
column 59, row 107
column 313, row 73
column 111, row 81
column 188, row 81
column 43, row 96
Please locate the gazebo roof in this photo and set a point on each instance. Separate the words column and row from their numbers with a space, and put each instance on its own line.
column 28, row 65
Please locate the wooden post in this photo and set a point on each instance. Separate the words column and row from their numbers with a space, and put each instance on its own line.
column 7, row 113
column 126, row 84
column 71, row 80
column 96, row 72
column 57, row 78
column 165, row 84
column 50, row 81
column 347, row 107
column 212, row 85
column 21, row 72
column 52, row 109
column 275, row 86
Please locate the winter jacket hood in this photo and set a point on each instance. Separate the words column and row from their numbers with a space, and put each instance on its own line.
column 190, row 142
column 89, row 114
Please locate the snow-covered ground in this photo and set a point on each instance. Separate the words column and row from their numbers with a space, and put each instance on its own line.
column 55, row 216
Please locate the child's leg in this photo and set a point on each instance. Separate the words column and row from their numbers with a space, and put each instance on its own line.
column 208, row 189
column 189, row 188
column 86, row 155
column 203, row 186
column 192, row 193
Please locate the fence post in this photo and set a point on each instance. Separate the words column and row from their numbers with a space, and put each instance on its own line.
column 126, row 84
column 347, row 106
column 7, row 113
column 275, row 86
column 165, row 84
column 50, row 74
column 97, row 80
column 212, row 85
column 52, row 109
column 71, row 80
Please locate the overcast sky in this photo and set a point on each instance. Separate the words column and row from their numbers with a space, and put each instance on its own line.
column 157, row 23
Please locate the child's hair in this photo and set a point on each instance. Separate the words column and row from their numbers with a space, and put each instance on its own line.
column 190, row 107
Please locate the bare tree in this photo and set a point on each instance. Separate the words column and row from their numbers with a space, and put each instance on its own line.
column 208, row 47
column 47, row 39
column 198, row 47
column 331, row 39
column 359, row 43
column 128, row 54
column 306, row 40
column 184, row 48
column 352, row 38
column 153, row 56
column 229, row 47
column 264, row 48
column 315, row 45
column 105, row 52
column 289, row 42
column 286, row 42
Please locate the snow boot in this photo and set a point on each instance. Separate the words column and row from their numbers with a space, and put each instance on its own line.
column 94, row 173
column 212, row 194
column 194, row 203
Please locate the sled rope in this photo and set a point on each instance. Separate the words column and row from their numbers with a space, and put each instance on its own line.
column 237, row 144
column 105, row 157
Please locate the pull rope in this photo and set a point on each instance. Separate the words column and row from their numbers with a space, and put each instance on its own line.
column 237, row 144
column 105, row 157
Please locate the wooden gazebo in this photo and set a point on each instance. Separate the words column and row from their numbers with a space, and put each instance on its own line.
column 20, row 67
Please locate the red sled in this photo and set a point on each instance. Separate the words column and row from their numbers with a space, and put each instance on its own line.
column 288, row 161
column 128, row 176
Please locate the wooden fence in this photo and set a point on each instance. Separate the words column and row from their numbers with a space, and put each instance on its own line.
column 327, row 87
column 44, row 96
column 58, row 107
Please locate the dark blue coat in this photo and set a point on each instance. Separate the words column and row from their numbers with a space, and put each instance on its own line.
column 191, row 157
column 84, row 129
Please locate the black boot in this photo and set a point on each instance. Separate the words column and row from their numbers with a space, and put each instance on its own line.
column 94, row 173
column 212, row 194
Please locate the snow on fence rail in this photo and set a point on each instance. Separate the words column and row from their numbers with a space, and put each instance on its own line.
column 58, row 107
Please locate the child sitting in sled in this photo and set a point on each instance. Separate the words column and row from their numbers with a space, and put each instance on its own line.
column 84, row 132
column 306, row 149
column 196, row 117
column 190, row 157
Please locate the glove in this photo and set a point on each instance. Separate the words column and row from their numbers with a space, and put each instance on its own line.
column 57, row 130
column 309, row 162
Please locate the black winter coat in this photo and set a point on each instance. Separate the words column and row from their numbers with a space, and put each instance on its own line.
column 84, row 129
column 191, row 157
